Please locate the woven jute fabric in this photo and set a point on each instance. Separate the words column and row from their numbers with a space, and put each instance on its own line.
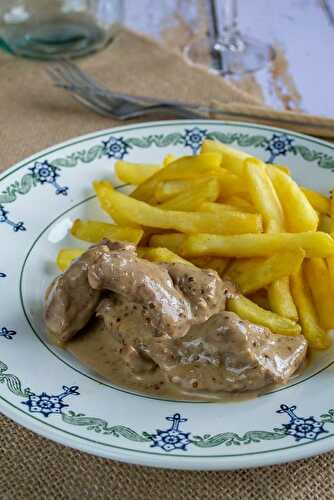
column 35, row 115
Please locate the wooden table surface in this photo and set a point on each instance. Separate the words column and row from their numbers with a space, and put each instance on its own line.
column 301, row 31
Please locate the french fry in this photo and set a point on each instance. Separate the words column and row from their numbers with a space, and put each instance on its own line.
column 221, row 209
column 322, row 291
column 186, row 167
column 240, row 203
column 260, row 297
column 160, row 254
column 188, row 222
column 103, row 191
column 231, row 185
column 279, row 294
column 66, row 256
column 216, row 263
column 330, row 260
column 262, row 272
column 286, row 170
column 218, row 207
column 167, row 190
column 299, row 214
column 172, row 241
column 316, row 336
column 263, row 195
column 246, row 309
column 135, row 173
column 281, row 300
column 325, row 223
column 95, row 231
column 257, row 245
column 190, row 200
column 169, row 158
column 319, row 202
column 239, row 266
column 232, row 159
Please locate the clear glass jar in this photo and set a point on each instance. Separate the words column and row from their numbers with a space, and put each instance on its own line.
column 51, row 29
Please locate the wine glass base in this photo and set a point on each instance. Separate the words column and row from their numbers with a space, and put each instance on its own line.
column 252, row 56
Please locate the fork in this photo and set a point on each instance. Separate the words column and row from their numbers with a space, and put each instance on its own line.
column 85, row 89
column 70, row 77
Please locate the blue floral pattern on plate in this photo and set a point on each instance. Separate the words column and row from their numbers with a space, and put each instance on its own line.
column 279, row 144
column 7, row 334
column 193, row 138
column 116, row 147
column 45, row 173
column 172, row 438
column 16, row 226
column 301, row 427
column 46, row 404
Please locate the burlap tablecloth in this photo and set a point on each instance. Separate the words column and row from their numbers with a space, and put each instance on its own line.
column 34, row 115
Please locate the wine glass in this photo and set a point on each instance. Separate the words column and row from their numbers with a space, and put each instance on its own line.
column 232, row 52
column 59, row 28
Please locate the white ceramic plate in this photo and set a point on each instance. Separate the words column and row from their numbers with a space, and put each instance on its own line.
column 48, row 391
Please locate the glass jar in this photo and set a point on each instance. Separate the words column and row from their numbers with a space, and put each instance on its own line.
column 51, row 29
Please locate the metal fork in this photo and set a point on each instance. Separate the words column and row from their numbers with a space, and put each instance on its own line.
column 70, row 77
column 121, row 106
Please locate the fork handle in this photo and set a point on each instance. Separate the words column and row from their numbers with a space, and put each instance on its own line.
column 309, row 124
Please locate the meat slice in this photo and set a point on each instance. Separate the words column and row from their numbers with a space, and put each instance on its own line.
column 70, row 300
column 205, row 291
column 228, row 354
column 170, row 298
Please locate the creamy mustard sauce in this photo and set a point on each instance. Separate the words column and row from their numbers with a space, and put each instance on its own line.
column 96, row 349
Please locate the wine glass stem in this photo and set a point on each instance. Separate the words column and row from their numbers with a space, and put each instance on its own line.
column 228, row 34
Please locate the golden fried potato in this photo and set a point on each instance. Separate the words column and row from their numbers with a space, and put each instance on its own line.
column 66, row 256
column 252, row 274
column 103, row 191
column 168, row 189
column 263, row 195
column 188, row 222
column 186, row 167
column 257, row 245
column 231, row 185
column 191, row 199
column 319, row 202
column 239, row 203
column 330, row 260
column 169, row 158
column 325, row 223
column 322, row 290
column 281, row 300
column 135, row 173
column 95, row 231
column 172, row 241
column 232, row 159
column 221, row 208
column 246, row 309
column 216, row 263
column 160, row 254
column 316, row 336
column 299, row 214
column 260, row 297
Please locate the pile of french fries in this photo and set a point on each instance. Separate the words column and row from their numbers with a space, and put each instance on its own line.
column 226, row 210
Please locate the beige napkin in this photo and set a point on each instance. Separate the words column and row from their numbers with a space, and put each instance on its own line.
column 35, row 115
